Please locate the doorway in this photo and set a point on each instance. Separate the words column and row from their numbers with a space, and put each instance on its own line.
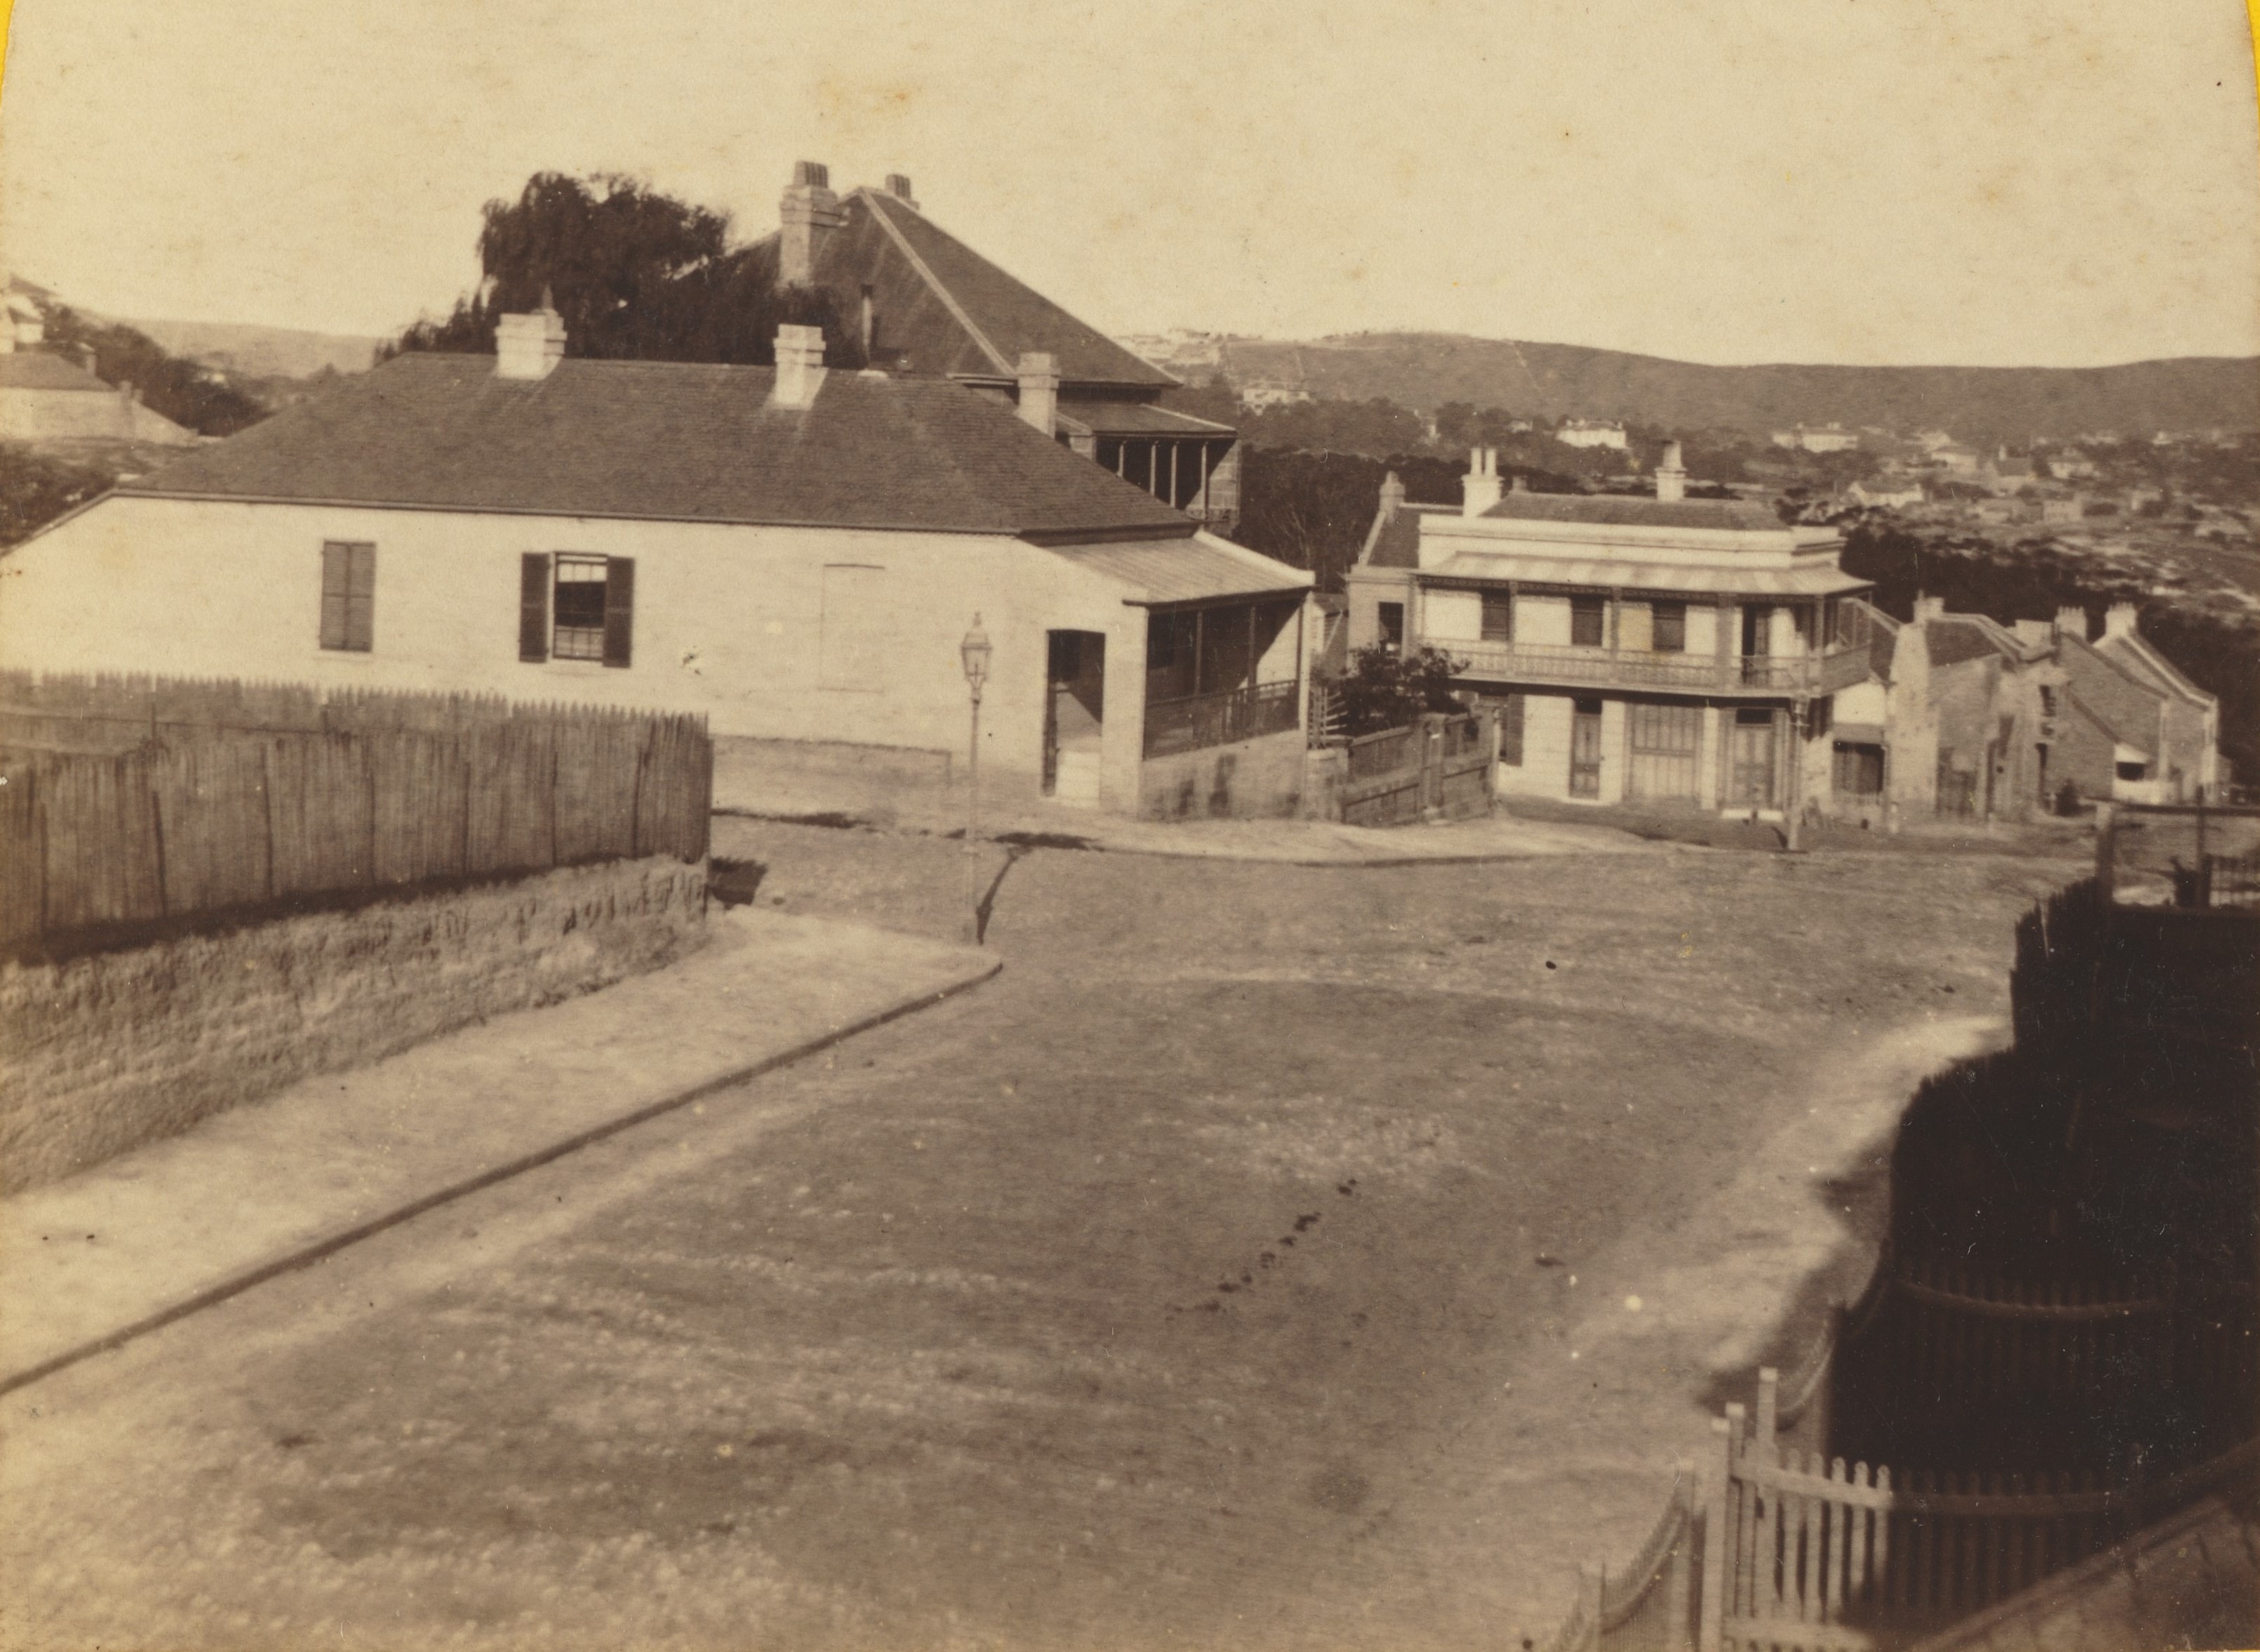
column 1074, row 716
column 1585, row 749
column 1750, row 778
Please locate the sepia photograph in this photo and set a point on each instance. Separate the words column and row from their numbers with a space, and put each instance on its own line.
column 1135, row 826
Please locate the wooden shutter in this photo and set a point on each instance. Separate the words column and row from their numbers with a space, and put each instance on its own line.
column 619, row 609
column 533, row 606
column 337, row 580
column 361, row 597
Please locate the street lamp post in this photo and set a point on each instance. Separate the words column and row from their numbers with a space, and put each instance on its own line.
column 974, row 651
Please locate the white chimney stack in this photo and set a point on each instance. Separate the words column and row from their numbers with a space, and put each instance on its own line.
column 809, row 214
column 799, row 367
column 2119, row 619
column 1670, row 474
column 530, row 346
column 1039, row 382
column 2071, row 622
column 1479, row 487
column 900, row 187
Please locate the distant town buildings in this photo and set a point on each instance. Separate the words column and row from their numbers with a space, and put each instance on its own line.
column 1590, row 433
column 1817, row 439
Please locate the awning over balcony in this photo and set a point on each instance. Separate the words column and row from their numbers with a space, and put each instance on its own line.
column 1758, row 583
column 1135, row 419
column 1157, row 572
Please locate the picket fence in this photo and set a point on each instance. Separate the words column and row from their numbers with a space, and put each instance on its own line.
column 211, row 817
column 1439, row 768
column 1775, row 1548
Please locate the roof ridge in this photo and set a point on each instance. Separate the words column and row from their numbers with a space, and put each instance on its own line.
column 934, row 283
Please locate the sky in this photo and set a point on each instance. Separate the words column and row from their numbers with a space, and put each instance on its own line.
column 2052, row 182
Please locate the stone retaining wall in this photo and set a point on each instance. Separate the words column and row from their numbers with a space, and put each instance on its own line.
column 101, row 1053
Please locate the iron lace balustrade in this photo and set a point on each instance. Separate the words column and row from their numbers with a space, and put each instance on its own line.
column 1198, row 721
column 1621, row 668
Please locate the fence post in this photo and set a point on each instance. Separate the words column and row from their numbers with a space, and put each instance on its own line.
column 1712, row 1608
column 1679, row 1590
column 2106, row 850
column 1762, row 1439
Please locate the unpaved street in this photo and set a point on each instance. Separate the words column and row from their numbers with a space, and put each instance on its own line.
column 1209, row 1279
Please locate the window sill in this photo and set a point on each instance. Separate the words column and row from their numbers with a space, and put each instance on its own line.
column 575, row 668
column 349, row 656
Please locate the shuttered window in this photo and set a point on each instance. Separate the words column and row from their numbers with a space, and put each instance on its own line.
column 1587, row 621
column 348, row 597
column 1498, row 616
column 1668, row 628
column 572, row 606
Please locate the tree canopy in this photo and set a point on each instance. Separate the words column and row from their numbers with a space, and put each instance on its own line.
column 635, row 274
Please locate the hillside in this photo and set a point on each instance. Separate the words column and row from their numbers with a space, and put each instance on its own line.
column 259, row 352
column 1424, row 370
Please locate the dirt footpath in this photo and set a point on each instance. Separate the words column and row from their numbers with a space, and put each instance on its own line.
column 1205, row 1281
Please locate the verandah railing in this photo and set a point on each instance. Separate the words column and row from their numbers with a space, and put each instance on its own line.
column 1626, row 668
column 1195, row 722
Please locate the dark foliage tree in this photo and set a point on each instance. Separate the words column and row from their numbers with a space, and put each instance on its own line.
column 185, row 391
column 1388, row 690
column 35, row 489
column 636, row 276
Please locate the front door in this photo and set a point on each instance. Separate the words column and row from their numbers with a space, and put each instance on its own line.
column 1075, row 713
column 1749, row 782
column 1585, row 749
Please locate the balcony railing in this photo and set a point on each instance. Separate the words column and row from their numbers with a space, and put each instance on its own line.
column 1198, row 721
column 1698, row 673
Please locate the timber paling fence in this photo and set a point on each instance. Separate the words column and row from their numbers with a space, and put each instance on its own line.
column 1788, row 1550
column 237, row 795
column 1439, row 768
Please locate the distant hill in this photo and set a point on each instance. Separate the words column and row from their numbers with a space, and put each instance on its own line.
column 259, row 352
column 1424, row 370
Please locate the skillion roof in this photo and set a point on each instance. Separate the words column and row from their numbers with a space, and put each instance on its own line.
column 671, row 441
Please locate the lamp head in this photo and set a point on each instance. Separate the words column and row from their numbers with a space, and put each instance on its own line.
column 974, row 651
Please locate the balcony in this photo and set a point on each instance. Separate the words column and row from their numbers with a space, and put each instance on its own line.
column 1769, row 674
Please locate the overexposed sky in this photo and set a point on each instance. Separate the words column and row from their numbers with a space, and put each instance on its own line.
column 1985, row 181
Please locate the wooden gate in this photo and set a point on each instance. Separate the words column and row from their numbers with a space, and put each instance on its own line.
column 1663, row 748
column 1439, row 769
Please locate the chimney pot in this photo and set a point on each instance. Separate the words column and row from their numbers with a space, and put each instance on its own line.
column 529, row 347
column 1670, row 474
column 1039, row 390
column 799, row 366
column 1928, row 608
column 811, row 175
column 1479, row 487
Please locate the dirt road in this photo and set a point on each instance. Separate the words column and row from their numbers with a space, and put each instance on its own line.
column 1248, row 1266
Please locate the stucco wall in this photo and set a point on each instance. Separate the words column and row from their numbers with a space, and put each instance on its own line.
column 101, row 1052
column 29, row 415
column 1249, row 779
column 729, row 621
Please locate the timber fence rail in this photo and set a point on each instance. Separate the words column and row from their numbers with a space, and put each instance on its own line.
column 234, row 820
column 1439, row 768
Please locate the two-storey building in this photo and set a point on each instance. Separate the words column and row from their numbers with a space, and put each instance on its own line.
column 1655, row 649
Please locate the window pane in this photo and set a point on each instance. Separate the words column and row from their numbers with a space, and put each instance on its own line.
column 1392, row 623
column 579, row 631
column 1670, row 634
column 1497, row 617
column 1586, row 622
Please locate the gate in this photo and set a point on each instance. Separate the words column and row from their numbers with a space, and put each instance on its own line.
column 1440, row 769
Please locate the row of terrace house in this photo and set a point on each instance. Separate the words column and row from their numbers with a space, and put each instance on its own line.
column 1662, row 649
column 1703, row 652
column 795, row 552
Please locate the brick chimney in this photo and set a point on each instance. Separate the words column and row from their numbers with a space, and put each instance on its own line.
column 1479, row 487
column 900, row 187
column 529, row 347
column 2071, row 622
column 1670, row 474
column 799, row 367
column 1392, row 497
column 2119, row 619
column 1039, row 382
column 810, row 212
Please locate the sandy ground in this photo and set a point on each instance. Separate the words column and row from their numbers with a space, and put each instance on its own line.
column 1205, row 1280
